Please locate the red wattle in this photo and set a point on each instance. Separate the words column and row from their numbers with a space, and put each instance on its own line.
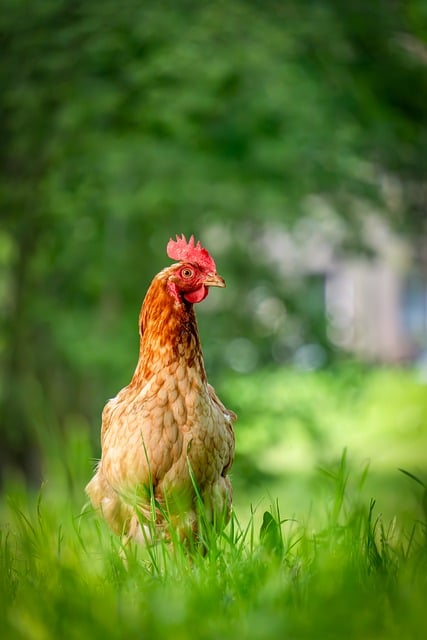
column 198, row 295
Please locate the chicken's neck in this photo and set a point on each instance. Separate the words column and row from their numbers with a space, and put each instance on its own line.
column 168, row 333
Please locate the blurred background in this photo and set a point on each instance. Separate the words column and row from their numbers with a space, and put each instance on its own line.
column 291, row 138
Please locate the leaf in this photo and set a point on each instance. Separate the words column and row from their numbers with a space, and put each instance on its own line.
column 411, row 475
column 270, row 534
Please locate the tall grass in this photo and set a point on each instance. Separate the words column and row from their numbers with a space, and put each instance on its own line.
column 62, row 574
column 336, row 568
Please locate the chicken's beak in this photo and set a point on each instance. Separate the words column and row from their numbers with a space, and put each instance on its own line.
column 214, row 280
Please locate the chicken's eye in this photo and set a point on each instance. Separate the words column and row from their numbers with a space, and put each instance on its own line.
column 187, row 272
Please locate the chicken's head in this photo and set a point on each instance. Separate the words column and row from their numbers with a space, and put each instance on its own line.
column 195, row 271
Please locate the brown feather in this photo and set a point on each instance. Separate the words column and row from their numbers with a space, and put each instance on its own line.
column 167, row 421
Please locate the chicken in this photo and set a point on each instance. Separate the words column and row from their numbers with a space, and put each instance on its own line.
column 167, row 439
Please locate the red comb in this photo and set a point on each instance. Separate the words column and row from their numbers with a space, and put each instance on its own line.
column 182, row 250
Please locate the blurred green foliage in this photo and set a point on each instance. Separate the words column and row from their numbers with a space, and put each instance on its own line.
column 121, row 125
column 293, row 423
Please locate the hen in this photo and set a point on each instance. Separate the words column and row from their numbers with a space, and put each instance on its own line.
column 167, row 440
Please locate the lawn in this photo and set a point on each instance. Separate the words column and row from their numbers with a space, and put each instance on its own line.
column 328, row 538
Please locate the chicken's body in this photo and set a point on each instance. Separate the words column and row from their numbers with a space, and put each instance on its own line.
column 167, row 432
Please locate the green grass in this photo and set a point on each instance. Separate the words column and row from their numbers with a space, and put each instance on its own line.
column 334, row 565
